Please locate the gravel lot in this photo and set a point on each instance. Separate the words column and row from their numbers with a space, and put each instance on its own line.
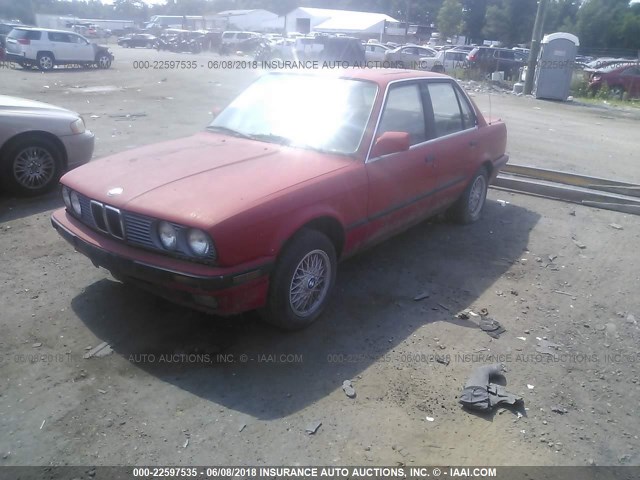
column 183, row 388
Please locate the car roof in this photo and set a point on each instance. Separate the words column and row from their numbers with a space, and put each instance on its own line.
column 38, row 29
column 381, row 76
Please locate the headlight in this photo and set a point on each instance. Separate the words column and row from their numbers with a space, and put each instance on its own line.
column 78, row 126
column 199, row 242
column 168, row 235
column 66, row 197
column 75, row 203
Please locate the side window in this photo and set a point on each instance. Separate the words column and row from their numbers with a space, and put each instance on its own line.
column 59, row 37
column 242, row 36
column 633, row 72
column 468, row 115
column 446, row 112
column 76, row 39
column 403, row 112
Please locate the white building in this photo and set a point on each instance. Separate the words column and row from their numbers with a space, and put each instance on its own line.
column 307, row 19
column 251, row 20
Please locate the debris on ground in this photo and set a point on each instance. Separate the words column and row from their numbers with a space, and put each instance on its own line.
column 430, row 419
column 559, row 409
column 484, row 312
column 546, row 347
column 348, row 389
column 313, row 427
column 443, row 359
column 186, row 443
column 579, row 244
column 480, row 394
column 37, row 345
column 491, row 327
column 466, row 314
column 616, row 226
column 101, row 350
column 421, row 296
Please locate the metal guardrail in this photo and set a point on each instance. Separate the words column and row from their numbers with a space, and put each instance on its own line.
column 570, row 187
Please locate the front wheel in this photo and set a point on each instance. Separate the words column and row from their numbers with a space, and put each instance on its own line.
column 302, row 281
column 468, row 208
column 31, row 166
column 103, row 61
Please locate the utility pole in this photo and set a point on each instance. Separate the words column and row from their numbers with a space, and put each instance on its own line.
column 535, row 46
column 406, row 21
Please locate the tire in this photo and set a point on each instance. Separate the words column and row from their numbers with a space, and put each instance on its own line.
column 103, row 61
column 149, row 45
column 31, row 166
column 285, row 309
column 125, row 45
column 45, row 61
column 468, row 208
column 616, row 93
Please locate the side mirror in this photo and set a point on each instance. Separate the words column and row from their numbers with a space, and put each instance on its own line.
column 391, row 142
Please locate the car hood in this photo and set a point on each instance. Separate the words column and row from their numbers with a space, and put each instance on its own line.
column 201, row 179
column 16, row 104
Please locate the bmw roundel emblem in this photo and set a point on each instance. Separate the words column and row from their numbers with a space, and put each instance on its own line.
column 115, row 191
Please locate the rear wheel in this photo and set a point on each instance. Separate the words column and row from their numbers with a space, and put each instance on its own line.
column 45, row 61
column 302, row 281
column 31, row 166
column 468, row 208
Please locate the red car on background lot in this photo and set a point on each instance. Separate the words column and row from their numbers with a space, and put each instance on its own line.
column 621, row 79
column 299, row 171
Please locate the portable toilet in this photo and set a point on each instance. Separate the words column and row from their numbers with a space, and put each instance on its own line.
column 555, row 66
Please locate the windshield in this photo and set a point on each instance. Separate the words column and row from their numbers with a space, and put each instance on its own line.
column 328, row 114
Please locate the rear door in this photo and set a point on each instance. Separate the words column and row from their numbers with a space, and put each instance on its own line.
column 631, row 81
column 401, row 185
column 61, row 46
column 452, row 124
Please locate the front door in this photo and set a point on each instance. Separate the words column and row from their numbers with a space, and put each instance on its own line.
column 401, row 185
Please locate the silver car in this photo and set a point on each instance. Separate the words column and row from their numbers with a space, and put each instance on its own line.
column 38, row 143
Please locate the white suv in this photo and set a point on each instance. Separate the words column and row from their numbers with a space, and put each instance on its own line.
column 46, row 48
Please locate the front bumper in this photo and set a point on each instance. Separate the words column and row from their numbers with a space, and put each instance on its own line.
column 79, row 148
column 223, row 291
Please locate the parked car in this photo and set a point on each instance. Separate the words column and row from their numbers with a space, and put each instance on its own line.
column 47, row 48
column 409, row 56
column 231, row 38
column 346, row 50
column 493, row 59
column 621, row 80
column 301, row 170
column 138, row 40
column 446, row 60
column 38, row 143
column 374, row 52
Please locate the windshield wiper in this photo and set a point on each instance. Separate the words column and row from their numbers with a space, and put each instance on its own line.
column 228, row 130
column 270, row 138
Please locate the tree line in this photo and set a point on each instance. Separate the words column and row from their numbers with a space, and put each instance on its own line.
column 600, row 24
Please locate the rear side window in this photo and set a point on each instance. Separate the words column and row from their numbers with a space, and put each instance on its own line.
column 468, row 115
column 446, row 111
column 22, row 34
column 59, row 37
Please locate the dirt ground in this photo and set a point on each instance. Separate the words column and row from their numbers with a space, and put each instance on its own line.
column 183, row 388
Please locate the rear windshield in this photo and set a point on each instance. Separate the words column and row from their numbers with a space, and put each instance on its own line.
column 19, row 34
